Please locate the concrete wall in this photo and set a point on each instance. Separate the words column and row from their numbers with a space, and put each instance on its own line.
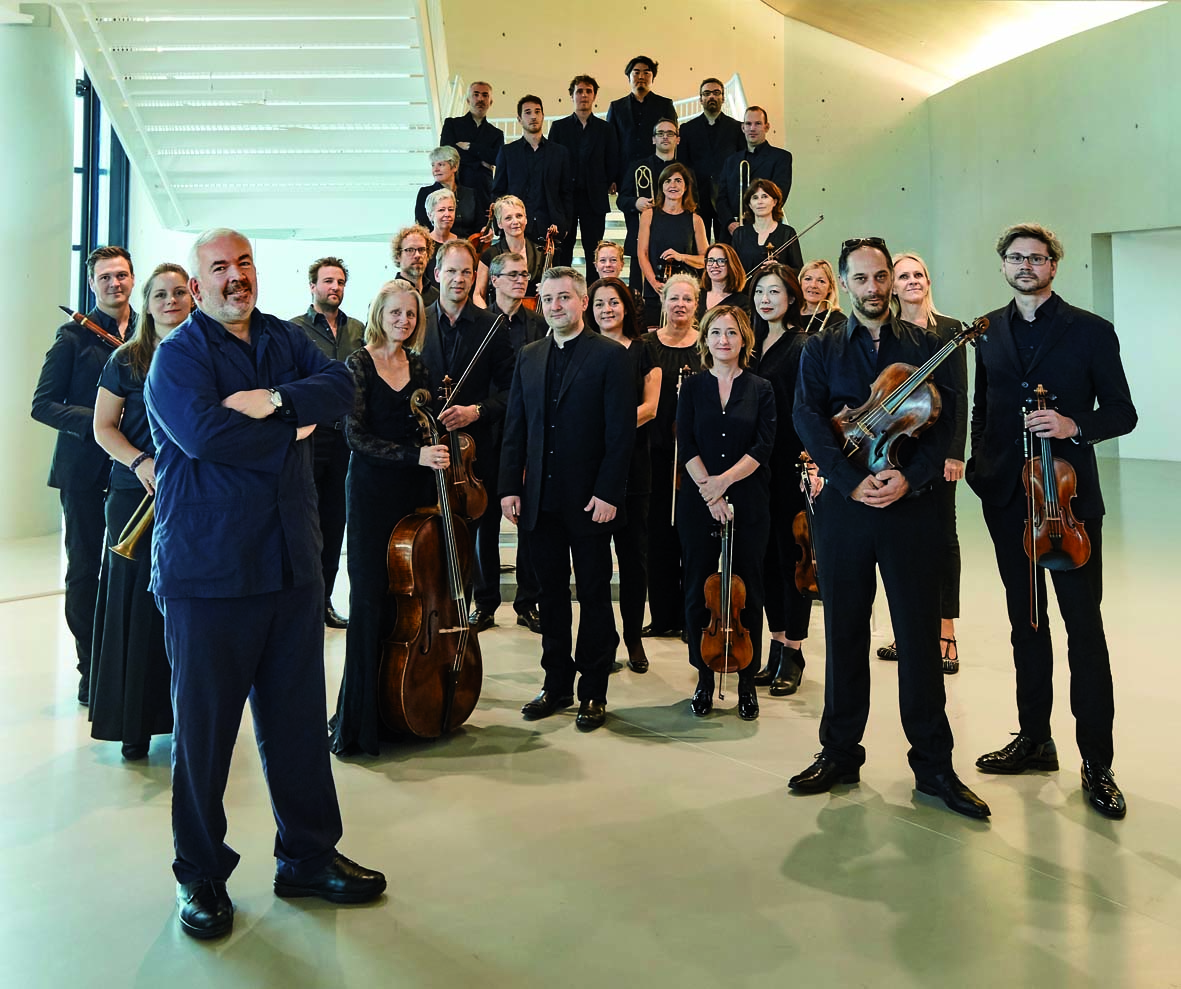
column 35, row 204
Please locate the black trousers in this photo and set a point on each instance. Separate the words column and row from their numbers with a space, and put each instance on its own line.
column 528, row 586
column 1079, row 594
column 788, row 611
column 901, row 541
column 330, row 467
column 555, row 546
column 486, row 530
column 666, row 590
column 592, row 222
column 85, row 530
column 949, row 571
column 631, row 553
column 701, row 547
column 268, row 649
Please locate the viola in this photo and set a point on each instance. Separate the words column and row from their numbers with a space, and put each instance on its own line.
column 481, row 240
column 801, row 530
column 1054, row 538
column 725, row 643
column 903, row 403
column 431, row 670
column 469, row 498
column 530, row 301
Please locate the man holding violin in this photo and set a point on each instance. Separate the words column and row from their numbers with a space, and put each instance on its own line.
column 1039, row 339
column 883, row 520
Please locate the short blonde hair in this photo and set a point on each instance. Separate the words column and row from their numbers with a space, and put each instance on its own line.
column 504, row 201
column 740, row 318
column 832, row 300
column 895, row 304
column 375, row 332
column 680, row 279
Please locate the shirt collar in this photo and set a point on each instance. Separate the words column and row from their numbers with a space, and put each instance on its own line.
column 1046, row 311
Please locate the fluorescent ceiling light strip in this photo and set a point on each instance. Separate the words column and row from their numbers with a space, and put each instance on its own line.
column 266, row 128
column 157, row 104
column 309, row 74
column 232, row 18
column 218, row 152
column 309, row 47
column 258, row 186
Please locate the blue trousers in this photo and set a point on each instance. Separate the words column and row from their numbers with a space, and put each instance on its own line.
column 268, row 648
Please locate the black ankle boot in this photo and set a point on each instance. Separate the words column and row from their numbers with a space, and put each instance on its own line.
column 771, row 668
column 791, row 671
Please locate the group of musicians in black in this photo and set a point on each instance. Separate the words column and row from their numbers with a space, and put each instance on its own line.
column 262, row 449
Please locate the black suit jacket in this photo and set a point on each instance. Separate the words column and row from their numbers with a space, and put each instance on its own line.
column 64, row 399
column 766, row 162
column 635, row 134
column 593, row 431
column 489, row 381
column 595, row 173
column 470, row 209
column 486, row 141
column 1078, row 361
column 705, row 147
column 512, row 165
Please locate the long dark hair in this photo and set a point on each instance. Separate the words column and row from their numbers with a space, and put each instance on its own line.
column 631, row 319
column 793, row 315
column 140, row 348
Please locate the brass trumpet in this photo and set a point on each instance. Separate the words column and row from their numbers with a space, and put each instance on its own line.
column 139, row 523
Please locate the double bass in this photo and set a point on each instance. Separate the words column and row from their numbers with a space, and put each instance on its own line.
column 1054, row 538
column 725, row 643
column 902, row 404
column 431, row 670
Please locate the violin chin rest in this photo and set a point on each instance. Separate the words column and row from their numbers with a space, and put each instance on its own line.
column 1056, row 559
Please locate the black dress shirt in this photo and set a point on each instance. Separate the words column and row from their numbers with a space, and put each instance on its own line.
column 705, row 147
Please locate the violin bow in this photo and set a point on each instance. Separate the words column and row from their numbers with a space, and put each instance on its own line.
column 471, row 364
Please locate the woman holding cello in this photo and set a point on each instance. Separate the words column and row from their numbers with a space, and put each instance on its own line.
column 779, row 336
column 726, row 432
column 389, row 477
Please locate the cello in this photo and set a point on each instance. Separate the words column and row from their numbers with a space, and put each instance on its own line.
column 431, row 670
column 1054, row 538
column 902, row 404
column 725, row 643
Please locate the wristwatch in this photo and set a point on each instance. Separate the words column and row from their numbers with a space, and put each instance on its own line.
column 479, row 410
column 276, row 398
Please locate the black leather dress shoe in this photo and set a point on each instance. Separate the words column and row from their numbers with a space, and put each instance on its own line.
column 591, row 715
column 823, row 775
column 748, row 702
column 204, row 909
column 1021, row 754
column 1102, row 792
column 545, row 704
column 702, row 701
column 770, row 669
column 333, row 618
column 638, row 663
column 340, row 881
column 135, row 750
column 654, row 632
column 84, row 692
column 791, row 672
column 952, row 791
column 481, row 621
column 530, row 619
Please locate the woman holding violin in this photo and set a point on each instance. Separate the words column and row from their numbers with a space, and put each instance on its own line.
column 673, row 348
column 512, row 219
column 820, row 303
column 722, row 281
column 779, row 341
column 913, row 302
column 763, row 229
column 389, row 477
column 130, row 677
column 726, row 430
column 444, row 168
column 672, row 237
column 613, row 313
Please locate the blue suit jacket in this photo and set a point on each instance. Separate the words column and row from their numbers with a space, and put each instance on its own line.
column 235, row 503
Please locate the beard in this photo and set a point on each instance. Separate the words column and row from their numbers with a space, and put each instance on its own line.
column 872, row 308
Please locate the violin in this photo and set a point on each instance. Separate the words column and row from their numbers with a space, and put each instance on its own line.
column 530, row 301
column 431, row 670
column 469, row 499
column 481, row 240
column 902, row 404
column 801, row 530
column 1054, row 538
column 725, row 644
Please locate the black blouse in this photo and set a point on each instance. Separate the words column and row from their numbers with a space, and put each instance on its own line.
column 750, row 252
column 382, row 430
column 670, row 360
column 119, row 379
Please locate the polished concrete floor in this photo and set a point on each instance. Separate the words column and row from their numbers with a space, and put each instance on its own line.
column 660, row 851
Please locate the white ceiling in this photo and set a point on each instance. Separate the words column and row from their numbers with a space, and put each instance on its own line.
column 230, row 109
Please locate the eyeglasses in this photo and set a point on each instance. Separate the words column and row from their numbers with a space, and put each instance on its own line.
column 715, row 262
column 666, row 133
column 512, row 274
column 415, row 250
column 1037, row 260
column 713, row 92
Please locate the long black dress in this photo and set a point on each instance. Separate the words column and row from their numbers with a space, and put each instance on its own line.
column 667, row 230
column 130, row 678
column 385, row 484
column 666, row 596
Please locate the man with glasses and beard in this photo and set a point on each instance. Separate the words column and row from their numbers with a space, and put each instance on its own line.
column 1039, row 339
column 706, row 142
column 411, row 249
column 887, row 521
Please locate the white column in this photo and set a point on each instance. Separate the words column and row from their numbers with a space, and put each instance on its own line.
column 36, row 188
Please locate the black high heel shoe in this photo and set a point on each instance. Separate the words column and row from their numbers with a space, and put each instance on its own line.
column 771, row 668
